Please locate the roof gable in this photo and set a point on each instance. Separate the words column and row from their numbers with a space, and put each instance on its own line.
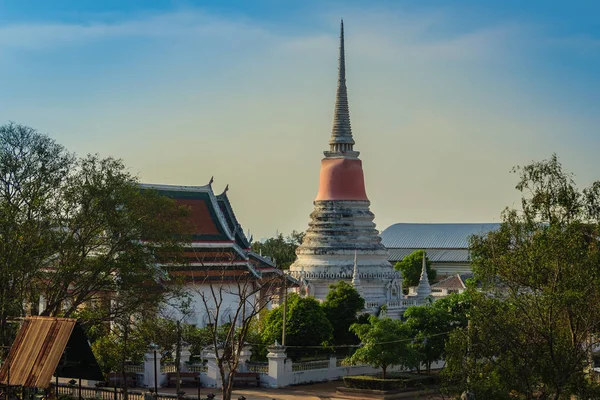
column 206, row 218
column 234, row 226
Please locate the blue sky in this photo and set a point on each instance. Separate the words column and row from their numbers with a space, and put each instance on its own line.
column 445, row 97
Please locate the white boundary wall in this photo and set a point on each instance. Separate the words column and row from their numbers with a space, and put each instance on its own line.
column 279, row 372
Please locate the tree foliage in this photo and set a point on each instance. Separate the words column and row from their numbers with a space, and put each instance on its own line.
column 432, row 323
column 385, row 343
column 341, row 306
column 411, row 267
column 281, row 249
column 72, row 228
column 534, row 327
column 306, row 325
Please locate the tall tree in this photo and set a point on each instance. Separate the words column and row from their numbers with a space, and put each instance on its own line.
column 111, row 235
column 432, row 323
column 411, row 267
column 281, row 249
column 306, row 326
column 74, row 229
column 341, row 306
column 536, row 325
column 33, row 171
column 385, row 343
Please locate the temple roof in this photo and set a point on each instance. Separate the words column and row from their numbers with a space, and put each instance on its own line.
column 207, row 219
column 433, row 236
column 453, row 282
column 232, row 222
column 219, row 247
column 434, row 255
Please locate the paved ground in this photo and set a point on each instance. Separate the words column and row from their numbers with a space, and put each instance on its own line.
column 315, row 391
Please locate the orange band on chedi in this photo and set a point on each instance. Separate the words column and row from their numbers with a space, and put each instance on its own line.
column 341, row 179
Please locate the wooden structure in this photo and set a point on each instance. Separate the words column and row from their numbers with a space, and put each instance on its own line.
column 47, row 346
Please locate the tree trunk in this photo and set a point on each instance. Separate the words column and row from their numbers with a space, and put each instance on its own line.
column 227, row 389
column 383, row 371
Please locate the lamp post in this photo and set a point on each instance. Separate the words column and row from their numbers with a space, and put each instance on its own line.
column 284, row 309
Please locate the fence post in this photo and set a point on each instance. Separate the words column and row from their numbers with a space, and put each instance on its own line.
column 212, row 373
column 184, row 358
column 152, row 377
column 332, row 371
column 245, row 355
column 277, row 358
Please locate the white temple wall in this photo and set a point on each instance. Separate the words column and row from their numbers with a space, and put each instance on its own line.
column 198, row 310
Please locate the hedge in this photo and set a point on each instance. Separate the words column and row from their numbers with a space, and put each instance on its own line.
column 394, row 381
column 374, row 383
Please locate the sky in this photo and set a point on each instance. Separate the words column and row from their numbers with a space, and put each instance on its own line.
column 445, row 97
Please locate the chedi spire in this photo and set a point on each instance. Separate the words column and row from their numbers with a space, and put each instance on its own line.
column 341, row 230
column 341, row 141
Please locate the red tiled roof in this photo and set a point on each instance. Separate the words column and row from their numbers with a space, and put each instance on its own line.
column 201, row 219
column 453, row 282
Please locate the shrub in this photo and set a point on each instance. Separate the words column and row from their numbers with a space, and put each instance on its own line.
column 374, row 383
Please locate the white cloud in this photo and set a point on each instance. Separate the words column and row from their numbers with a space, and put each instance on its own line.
column 190, row 23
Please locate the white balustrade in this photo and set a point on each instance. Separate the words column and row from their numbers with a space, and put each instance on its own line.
column 310, row 365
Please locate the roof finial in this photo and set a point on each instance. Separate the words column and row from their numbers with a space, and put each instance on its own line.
column 341, row 142
column 226, row 188
column 212, row 179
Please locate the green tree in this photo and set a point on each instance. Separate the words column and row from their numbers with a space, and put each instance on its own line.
column 429, row 326
column 341, row 306
column 385, row 343
column 432, row 323
column 74, row 228
column 281, row 249
column 33, row 169
column 411, row 267
column 536, row 323
column 306, row 325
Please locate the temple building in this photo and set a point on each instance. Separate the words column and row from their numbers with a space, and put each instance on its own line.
column 341, row 242
column 217, row 255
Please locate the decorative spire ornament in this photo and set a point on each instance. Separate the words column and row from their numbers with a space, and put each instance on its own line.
column 424, row 289
column 355, row 277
